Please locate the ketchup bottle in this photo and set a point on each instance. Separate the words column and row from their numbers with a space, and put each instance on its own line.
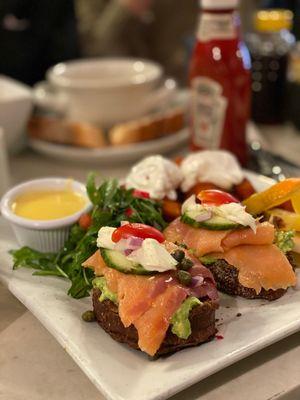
column 220, row 81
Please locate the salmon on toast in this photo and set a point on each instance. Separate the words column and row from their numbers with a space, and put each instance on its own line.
column 238, row 249
column 149, row 293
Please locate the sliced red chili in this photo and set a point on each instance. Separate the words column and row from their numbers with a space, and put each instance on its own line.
column 140, row 194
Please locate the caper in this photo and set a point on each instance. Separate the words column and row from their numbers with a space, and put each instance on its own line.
column 184, row 277
column 186, row 264
column 88, row 316
column 178, row 255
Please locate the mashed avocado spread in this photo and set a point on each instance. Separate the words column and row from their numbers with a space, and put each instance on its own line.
column 181, row 325
column 106, row 294
column 284, row 240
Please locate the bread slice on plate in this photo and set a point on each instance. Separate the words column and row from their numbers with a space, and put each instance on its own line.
column 226, row 277
column 160, row 312
column 202, row 319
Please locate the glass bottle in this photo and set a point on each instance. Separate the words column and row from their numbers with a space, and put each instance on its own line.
column 220, row 81
column 269, row 47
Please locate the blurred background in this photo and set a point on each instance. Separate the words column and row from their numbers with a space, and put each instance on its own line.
column 35, row 35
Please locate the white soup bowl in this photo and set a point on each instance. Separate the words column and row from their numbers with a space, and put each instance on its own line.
column 104, row 91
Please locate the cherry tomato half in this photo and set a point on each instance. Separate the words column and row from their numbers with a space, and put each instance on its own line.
column 138, row 230
column 215, row 197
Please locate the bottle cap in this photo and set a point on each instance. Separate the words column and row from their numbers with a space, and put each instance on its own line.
column 219, row 4
column 273, row 20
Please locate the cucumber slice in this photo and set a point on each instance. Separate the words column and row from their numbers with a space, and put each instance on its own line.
column 116, row 260
column 215, row 223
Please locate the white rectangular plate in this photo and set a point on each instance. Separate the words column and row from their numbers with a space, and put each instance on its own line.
column 124, row 374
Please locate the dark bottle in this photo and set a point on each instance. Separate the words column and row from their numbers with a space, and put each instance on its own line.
column 294, row 87
column 269, row 46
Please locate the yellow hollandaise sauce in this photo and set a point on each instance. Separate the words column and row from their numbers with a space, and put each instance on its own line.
column 48, row 204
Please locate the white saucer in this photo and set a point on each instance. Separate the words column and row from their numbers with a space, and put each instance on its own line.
column 111, row 155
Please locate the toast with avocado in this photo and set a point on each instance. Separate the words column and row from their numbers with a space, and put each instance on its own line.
column 201, row 319
column 149, row 293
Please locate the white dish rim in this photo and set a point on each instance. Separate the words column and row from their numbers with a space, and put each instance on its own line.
column 105, row 155
column 55, row 74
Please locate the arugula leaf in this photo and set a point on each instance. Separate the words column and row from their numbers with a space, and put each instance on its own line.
column 28, row 258
column 91, row 188
column 48, row 273
column 111, row 204
column 111, row 189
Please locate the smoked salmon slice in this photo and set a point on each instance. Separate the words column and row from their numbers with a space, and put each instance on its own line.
column 204, row 241
column 96, row 263
column 136, row 295
column 264, row 235
column 153, row 325
column 261, row 266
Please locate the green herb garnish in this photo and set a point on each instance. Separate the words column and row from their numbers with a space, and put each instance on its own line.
column 111, row 205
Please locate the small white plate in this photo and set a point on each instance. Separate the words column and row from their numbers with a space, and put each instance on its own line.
column 110, row 155
column 124, row 374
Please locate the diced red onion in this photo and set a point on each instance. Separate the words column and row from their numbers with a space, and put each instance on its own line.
column 127, row 252
column 135, row 242
column 124, row 223
column 204, row 216
column 197, row 281
column 208, row 288
column 129, row 244
column 212, row 292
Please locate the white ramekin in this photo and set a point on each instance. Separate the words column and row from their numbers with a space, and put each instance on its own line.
column 45, row 236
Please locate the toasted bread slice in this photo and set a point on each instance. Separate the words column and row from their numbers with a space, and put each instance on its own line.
column 147, row 128
column 50, row 129
column 202, row 319
column 173, row 121
column 226, row 277
column 61, row 131
column 87, row 135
